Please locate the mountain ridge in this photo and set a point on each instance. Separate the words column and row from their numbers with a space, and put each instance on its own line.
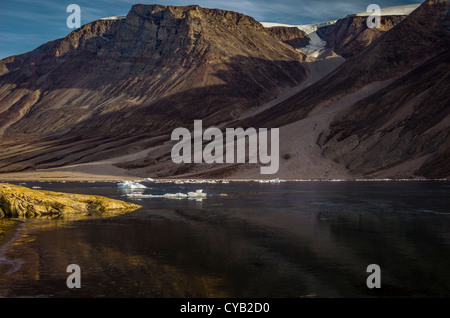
column 162, row 67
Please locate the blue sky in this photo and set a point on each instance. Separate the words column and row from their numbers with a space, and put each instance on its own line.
column 26, row 24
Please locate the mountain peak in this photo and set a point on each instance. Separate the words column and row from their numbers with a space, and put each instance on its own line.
column 213, row 61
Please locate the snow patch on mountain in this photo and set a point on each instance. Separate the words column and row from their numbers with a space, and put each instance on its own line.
column 117, row 17
column 398, row 10
column 317, row 45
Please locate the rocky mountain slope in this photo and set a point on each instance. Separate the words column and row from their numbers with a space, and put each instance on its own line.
column 351, row 35
column 113, row 81
column 399, row 128
column 113, row 91
column 155, row 61
column 290, row 35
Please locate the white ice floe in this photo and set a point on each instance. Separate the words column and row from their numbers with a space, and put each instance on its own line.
column 149, row 180
column 276, row 180
column 198, row 194
column 175, row 195
column 36, row 187
column 131, row 185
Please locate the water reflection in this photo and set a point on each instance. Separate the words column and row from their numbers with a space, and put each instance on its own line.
column 284, row 240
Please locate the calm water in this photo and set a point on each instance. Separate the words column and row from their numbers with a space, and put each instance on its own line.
column 293, row 239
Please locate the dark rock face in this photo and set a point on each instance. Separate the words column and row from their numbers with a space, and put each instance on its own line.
column 406, row 121
column 350, row 36
column 325, row 31
column 290, row 35
column 409, row 119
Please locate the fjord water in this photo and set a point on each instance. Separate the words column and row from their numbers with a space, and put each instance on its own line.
column 246, row 239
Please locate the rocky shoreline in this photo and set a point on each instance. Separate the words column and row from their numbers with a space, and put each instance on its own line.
column 21, row 202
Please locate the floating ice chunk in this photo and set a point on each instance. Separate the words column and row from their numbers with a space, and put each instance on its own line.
column 140, row 195
column 269, row 181
column 131, row 185
column 176, row 195
column 197, row 194
column 149, row 180
column 36, row 187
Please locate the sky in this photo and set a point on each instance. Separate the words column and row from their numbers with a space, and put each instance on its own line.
column 27, row 24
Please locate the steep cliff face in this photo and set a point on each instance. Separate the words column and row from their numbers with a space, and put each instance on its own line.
column 393, row 118
column 161, row 65
column 324, row 32
column 407, row 123
column 292, row 36
column 159, row 68
column 350, row 36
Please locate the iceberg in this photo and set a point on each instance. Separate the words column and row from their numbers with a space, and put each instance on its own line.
column 140, row 195
column 175, row 195
column 131, row 185
column 196, row 194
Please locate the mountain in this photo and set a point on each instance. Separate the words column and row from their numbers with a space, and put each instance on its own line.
column 407, row 121
column 138, row 77
column 106, row 98
column 384, row 112
column 347, row 36
column 309, row 38
column 351, row 35
column 292, row 36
